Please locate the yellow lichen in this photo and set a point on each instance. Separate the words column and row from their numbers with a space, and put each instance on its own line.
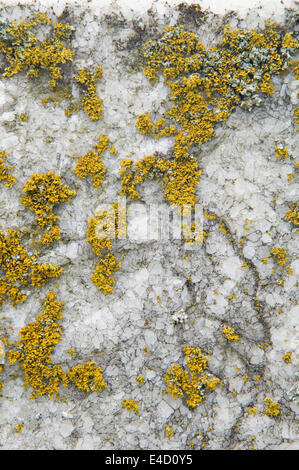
column 71, row 352
column 113, row 150
column 144, row 124
column 178, row 177
column 42, row 192
column 19, row 428
column 4, row 175
column 292, row 215
column 290, row 176
column 296, row 116
column 36, row 344
column 295, row 65
column 101, row 228
column 87, row 377
column 230, row 334
column 60, row 93
column 42, row 18
column 252, row 410
column 273, row 408
column 192, row 233
column 205, row 87
column 281, row 152
column 168, row 431
column 193, row 382
column 209, row 215
column 23, row 117
column 42, row 272
column 207, row 84
column 279, row 255
column 287, row 357
column 34, row 349
column 18, row 267
column 25, row 51
column 90, row 102
column 140, row 379
column 91, row 164
column 130, row 404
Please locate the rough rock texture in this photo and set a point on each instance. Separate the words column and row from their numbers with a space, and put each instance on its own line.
column 132, row 332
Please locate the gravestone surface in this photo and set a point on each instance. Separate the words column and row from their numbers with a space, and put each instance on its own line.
column 194, row 335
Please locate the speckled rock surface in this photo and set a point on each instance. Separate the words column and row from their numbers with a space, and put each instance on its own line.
column 166, row 296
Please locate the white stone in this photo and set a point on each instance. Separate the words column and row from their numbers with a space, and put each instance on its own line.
column 164, row 410
column 66, row 428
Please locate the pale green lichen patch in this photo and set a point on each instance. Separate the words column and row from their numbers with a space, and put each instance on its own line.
column 207, row 84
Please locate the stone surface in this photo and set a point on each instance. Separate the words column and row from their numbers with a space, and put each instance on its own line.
column 241, row 180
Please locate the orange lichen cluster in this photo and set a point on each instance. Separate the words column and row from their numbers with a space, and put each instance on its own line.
column 207, row 84
column 252, row 410
column 287, row 357
column 4, row 175
column 292, row 215
column 295, row 64
column 168, row 431
column 19, row 428
column 273, row 408
column 87, row 377
column 104, row 226
column 36, row 344
column 281, row 152
column 192, row 233
column 23, row 117
column 89, row 102
column 193, row 382
column 140, row 379
column 42, row 192
column 19, row 268
column 230, row 334
column 178, row 177
column 280, row 255
column 26, row 52
column 130, row 404
column 35, row 347
column 42, row 272
column 205, row 87
column 91, row 164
